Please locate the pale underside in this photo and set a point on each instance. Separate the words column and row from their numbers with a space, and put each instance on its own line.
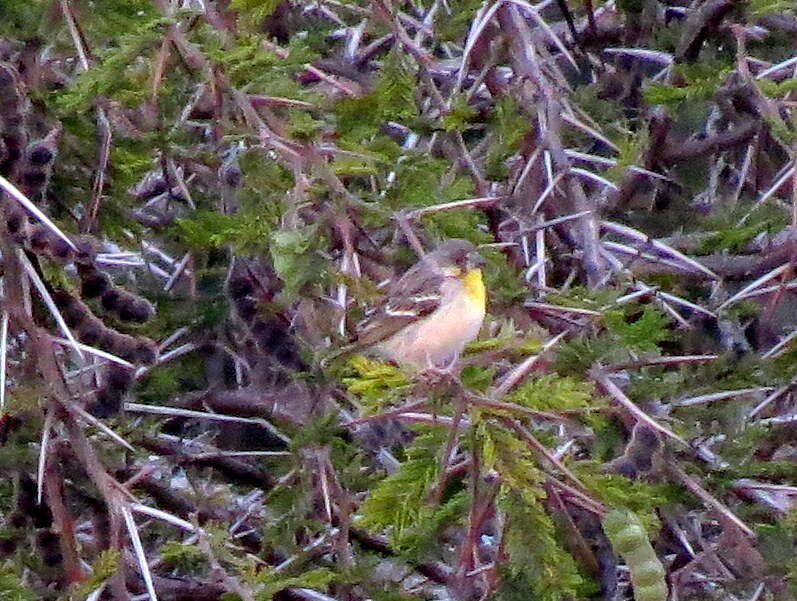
column 438, row 338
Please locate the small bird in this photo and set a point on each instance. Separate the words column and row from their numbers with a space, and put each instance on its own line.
column 431, row 312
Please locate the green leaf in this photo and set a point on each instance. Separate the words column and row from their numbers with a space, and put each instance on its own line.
column 11, row 587
column 551, row 392
column 376, row 383
column 645, row 333
column 509, row 125
column 105, row 566
column 295, row 257
column 270, row 582
column 398, row 502
column 252, row 12
column 120, row 72
column 395, row 88
column 536, row 567
column 460, row 115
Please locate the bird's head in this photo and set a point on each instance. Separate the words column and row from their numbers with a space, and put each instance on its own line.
column 457, row 256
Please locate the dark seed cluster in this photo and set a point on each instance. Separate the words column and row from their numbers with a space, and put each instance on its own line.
column 27, row 160
column 92, row 330
column 270, row 331
column 642, row 454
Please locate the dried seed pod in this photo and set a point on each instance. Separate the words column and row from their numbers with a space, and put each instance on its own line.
column 36, row 167
column 118, row 377
column 40, row 238
column 240, row 286
column 61, row 250
column 41, row 153
column 146, row 351
column 111, row 299
column 136, row 350
column 16, row 223
column 246, row 308
column 91, row 330
column 62, row 299
column 48, row 542
column 123, row 346
column 14, row 108
column 74, row 316
column 106, row 403
column 39, row 513
column 72, row 310
column 107, row 400
column 87, row 249
column 624, row 467
column 94, row 283
column 17, row 519
column 136, row 309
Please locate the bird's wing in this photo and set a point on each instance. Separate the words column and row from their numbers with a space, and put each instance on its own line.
column 412, row 297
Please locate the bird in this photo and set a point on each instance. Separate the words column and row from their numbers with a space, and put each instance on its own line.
column 431, row 312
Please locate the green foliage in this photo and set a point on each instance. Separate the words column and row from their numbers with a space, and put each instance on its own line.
column 702, row 80
column 252, row 12
column 122, row 72
column 537, row 566
column 551, row 392
column 295, row 257
column 418, row 182
column 422, row 539
column 19, row 17
column 11, row 587
column 460, row 115
column 250, row 65
column 454, row 25
column 509, row 340
column 775, row 89
column 188, row 559
column 785, row 131
column 761, row 8
column 643, row 498
column 283, row 213
column 644, row 334
column 776, row 542
column 395, row 88
column 631, row 146
column 246, row 232
column 509, row 125
column 576, row 356
column 502, row 281
column 374, row 382
column 626, row 331
column 477, row 378
column 738, row 227
column 357, row 118
column 116, row 16
column 398, row 502
column 265, row 181
column 302, row 125
column 512, row 458
column 270, row 582
column 105, row 566
column 392, row 99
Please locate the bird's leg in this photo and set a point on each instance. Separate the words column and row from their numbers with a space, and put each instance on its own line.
column 436, row 376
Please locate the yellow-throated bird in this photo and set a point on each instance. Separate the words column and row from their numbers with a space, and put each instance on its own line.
column 431, row 312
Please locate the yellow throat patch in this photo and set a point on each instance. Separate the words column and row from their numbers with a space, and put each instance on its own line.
column 474, row 287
